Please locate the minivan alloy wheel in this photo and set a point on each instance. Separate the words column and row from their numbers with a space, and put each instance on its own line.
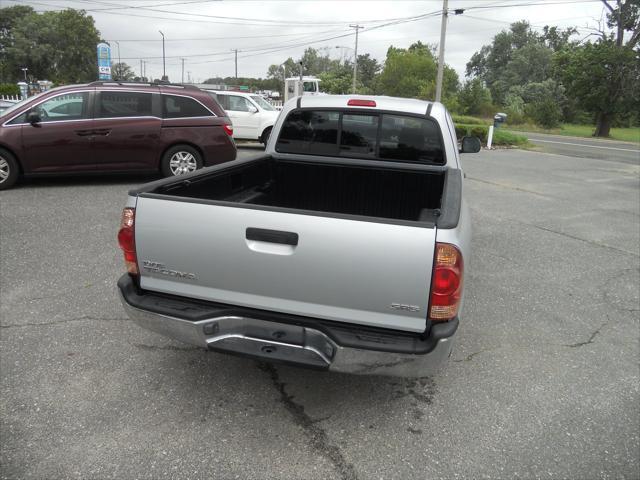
column 182, row 162
column 5, row 169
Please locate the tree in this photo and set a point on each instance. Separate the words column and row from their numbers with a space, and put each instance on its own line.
column 122, row 72
column 475, row 99
column 517, row 56
column 412, row 73
column 42, row 43
column 604, row 78
column 368, row 68
column 8, row 18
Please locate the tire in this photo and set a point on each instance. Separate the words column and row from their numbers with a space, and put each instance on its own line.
column 9, row 169
column 265, row 136
column 179, row 160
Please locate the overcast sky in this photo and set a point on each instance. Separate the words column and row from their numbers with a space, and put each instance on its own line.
column 268, row 32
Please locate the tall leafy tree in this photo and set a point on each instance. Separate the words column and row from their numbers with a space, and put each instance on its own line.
column 412, row 72
column 604, row 76
column 8, row 18
column 57, row 46
column 517, row 56
column 122, row 72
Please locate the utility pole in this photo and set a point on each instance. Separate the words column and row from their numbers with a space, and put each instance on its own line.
column 182, row 69
column 189, row 77
column 355, row 56
column 141, row 74
column 443, row 34
column 119, row 62
column 236, row 53
column 164, row 71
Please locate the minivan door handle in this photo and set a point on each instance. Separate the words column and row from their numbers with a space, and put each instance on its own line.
column 84, row 133
column 272, row 236
column 102, row 131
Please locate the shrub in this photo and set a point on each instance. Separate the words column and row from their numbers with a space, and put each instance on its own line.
column 466, row 120
column 9, row 89
column 546, row 113
column 500, row 137
column 461, row 130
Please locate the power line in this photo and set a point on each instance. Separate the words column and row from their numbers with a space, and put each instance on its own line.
column 235, row 20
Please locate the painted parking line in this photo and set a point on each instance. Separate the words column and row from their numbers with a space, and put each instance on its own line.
column 587, row 146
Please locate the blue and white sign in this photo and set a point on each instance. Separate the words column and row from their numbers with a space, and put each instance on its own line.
column 104, row 61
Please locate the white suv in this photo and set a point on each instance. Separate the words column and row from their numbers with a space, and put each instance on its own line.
column 252, row 116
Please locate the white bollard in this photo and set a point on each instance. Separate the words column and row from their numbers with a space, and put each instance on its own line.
column 490, row 137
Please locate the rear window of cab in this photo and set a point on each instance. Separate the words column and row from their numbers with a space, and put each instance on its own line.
column 383, row 136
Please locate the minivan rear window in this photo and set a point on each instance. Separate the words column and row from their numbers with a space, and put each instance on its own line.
column 176, row 106
column 384, row 136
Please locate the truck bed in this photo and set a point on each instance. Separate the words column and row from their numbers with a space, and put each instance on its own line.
column 386, row 193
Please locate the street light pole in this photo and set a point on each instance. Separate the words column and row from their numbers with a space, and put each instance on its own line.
column 164, row 71
column 443, row 34
column 25, row 69
column 182, row 69
column 355, row 57
column 119, row 62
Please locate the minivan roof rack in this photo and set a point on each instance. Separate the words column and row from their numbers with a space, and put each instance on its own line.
column 159, row 83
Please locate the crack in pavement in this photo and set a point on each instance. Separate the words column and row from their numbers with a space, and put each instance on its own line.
column 67, row 320
column 317, row 435
column 591, row 338
column 518, row 189
column 469, row 357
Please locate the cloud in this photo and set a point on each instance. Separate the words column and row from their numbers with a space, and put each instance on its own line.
column 206, row 44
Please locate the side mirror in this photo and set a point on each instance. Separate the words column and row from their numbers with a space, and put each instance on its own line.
column 470, row 145
column 252, row 109
column 33, row 118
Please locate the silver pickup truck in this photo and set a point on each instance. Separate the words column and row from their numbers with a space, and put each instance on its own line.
column 341, row 247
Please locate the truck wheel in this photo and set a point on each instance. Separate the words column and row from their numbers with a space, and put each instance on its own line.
column 8, row 169
column 265, row 136
column 179, row 160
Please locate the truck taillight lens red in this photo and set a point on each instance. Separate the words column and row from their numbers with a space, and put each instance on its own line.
column 446, row 285
column 127, row 239
column 228, row 129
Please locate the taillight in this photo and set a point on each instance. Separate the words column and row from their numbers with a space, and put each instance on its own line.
column 228, row 128
column 127, row 240
column 357, row 102
column 446, row 284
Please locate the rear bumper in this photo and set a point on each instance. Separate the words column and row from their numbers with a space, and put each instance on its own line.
column 292, row 343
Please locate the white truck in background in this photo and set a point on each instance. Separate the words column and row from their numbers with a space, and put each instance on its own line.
column 298, row 86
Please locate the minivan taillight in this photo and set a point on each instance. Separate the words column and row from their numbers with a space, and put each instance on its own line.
column 446, row 284
column 127, row 240
column 228, row 128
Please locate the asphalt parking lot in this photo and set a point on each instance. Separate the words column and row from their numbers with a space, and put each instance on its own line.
column 543, row 382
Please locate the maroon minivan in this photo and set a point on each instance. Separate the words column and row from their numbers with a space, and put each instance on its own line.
column 114, row 127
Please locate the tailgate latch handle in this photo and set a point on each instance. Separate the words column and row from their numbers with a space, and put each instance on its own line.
column 272, row 236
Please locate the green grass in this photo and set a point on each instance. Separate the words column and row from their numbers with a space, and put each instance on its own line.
column 500, row 137
column 622, row 134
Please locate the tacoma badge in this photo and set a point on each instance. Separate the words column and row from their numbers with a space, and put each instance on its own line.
column 406, row 308
column 161, row 268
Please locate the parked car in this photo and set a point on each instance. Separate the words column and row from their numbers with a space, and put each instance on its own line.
column 342, row 248
column 114, row 127
column 252, row 116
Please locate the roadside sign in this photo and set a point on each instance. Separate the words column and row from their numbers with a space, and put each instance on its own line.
column 104, row 61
